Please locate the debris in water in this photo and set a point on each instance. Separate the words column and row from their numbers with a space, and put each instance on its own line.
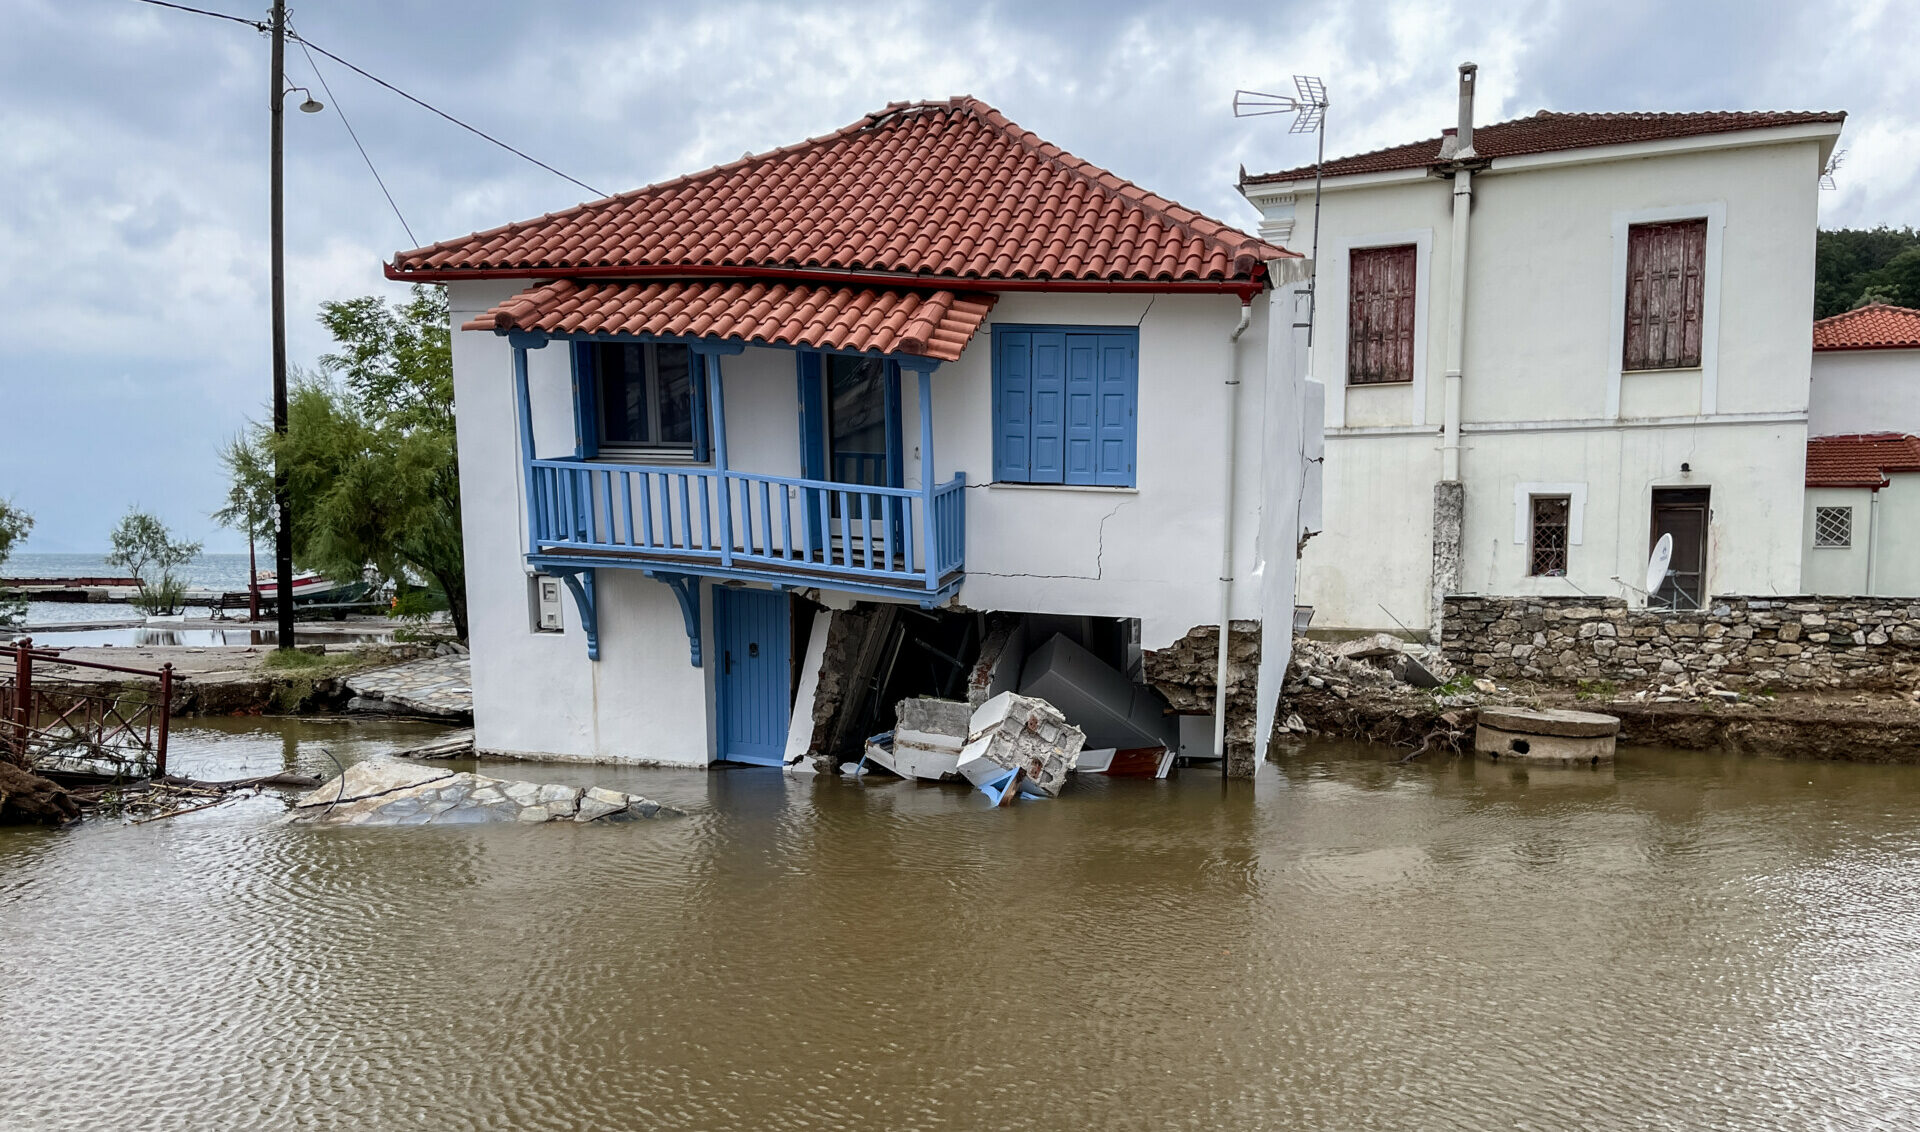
column 1015, row 733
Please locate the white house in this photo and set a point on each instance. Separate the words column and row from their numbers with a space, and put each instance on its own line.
column 927, row 362
column 1862, row 522
column 1549, row 341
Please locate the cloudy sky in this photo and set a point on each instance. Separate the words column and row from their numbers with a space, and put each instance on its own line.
column 133, row 193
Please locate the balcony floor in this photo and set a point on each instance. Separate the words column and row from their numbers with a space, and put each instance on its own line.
column 788, row 574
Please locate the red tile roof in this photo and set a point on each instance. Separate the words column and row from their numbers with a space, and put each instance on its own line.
column 1876, row 326
column 936, row 191
column 1860, row 460
column 934, row 324
column 1548, row 131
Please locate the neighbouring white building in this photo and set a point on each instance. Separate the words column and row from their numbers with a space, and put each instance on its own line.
column 1549, row 341
column 929, row 363
column 1862, row 523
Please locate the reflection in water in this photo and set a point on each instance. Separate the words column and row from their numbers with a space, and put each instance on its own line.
column 147, row 637
column 1680, row 941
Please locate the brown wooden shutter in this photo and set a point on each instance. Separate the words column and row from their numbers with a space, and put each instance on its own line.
column 1666, row 294
column 1380, row 315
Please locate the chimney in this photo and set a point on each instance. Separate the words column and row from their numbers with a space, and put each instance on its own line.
column 1468, row 72
column 1449, row 143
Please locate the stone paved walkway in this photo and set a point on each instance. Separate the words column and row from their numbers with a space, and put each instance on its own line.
column 388, row 792
column 439, row 686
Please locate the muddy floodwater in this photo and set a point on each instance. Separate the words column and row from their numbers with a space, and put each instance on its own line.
column 1684, row 941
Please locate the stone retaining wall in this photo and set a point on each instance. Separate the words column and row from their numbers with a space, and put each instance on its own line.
column 1778, row 642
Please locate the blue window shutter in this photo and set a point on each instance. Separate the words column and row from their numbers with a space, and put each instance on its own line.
column 702, row 417
column 586, row 419
column 1047, row 429
column 1117, row 426
column 813, row 418
column 1012, row 404
column 1082, row 382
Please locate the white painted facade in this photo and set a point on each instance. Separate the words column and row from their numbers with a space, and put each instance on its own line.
column 1150, row 552
column 1882, row 553
column 1544, row 406
column 1864, row 391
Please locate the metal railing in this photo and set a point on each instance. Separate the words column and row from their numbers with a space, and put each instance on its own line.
column 114, row 726
column 743, row 519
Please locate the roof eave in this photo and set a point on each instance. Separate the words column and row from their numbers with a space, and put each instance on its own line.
column 1242, row 286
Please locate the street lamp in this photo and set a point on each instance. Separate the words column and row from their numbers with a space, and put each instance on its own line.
column 1309, row 107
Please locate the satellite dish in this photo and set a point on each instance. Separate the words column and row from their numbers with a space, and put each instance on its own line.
column 1658, row 563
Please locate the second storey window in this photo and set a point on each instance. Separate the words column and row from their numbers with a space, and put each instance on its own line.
column 1380, row 315
column 1064, row 405
column 1666, row 288
column 640, row 398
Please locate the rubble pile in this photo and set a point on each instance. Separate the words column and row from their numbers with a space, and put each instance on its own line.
column 1377, row 688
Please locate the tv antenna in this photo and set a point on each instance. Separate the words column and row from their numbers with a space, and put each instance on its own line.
column 1308, row 105
column 1833, row 164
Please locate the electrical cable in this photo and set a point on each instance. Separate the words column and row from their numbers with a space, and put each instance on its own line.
column 255, row 24
column 442, row 113
column 340, row 110
column 422, row 103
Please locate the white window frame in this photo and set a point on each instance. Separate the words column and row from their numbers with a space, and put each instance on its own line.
column 1334, row 281
column 617, row 449
column 1523, row 493
column 1817, row 544
column 1715, row 214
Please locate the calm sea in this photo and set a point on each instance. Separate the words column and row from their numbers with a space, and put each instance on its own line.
column 209, row 571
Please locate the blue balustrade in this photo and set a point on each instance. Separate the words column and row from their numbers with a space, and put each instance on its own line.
column 811, row 532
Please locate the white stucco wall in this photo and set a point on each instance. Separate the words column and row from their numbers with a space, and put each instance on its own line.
column 1885, row 530
column 1149, row 552
column 1864, row 391
column 1543, row 399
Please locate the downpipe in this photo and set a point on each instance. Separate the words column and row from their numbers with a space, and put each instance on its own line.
column 1229, row 433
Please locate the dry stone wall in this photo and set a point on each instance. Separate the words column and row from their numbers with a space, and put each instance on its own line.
column 1775, row 642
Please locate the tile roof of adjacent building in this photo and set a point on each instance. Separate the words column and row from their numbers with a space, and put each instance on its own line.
column 935, row 324
column 1549, row 131
column 945, row 191
column 1860, row 459
column 1876, row 326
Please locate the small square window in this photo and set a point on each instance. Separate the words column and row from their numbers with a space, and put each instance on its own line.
column 1833, row 526
column 1547, row 549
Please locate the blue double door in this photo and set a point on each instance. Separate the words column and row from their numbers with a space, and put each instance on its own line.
column 754, row 632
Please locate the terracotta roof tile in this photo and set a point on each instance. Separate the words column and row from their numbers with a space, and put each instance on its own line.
column 1548, row 132
column 1876, row 326
column 935, row 324
column 937, row 190
column 1861, row 459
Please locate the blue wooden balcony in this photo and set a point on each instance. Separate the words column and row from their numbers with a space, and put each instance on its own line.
column 879, row 541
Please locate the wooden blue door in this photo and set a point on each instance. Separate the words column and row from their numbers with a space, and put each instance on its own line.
column 753, row 633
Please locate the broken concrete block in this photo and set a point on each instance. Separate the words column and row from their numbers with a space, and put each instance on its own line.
column 1363, row 648
column 928, row 738
column 1011, row 732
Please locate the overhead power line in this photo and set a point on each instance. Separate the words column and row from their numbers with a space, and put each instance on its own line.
column 363, row 73
column 341, row 110
column 470, row 129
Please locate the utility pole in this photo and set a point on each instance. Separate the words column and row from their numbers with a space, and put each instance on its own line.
column 282, row 506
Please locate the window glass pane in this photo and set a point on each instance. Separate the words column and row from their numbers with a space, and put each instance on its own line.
column 674, row 385
column 857, row 416
column 623, row 395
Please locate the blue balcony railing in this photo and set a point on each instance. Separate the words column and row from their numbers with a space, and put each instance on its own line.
column 739, row 524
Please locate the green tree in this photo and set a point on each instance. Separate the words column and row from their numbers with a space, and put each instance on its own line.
column 150, row 552
column 14, row 525
column 1849, row 261
column 249, row 507
column 369, row 454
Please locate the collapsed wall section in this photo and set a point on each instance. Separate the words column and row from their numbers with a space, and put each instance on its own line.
column 1185, row 673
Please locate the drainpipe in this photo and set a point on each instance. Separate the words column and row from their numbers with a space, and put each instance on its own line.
column 1457, row 286
column 1226, row 537
column 1873, row 535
